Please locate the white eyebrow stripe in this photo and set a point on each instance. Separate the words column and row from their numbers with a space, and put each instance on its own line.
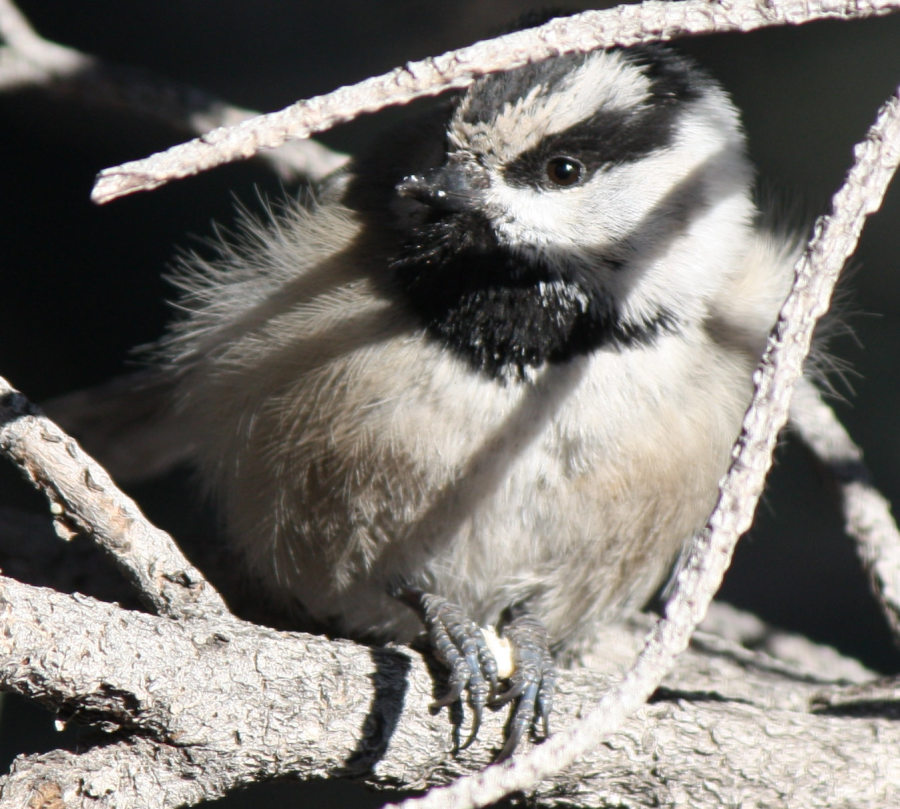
column 604, row 80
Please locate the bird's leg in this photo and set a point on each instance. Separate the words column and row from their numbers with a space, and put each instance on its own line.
column 533, row 678
column 461, row 645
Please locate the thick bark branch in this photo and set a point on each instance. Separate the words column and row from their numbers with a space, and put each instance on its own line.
column 211, row 704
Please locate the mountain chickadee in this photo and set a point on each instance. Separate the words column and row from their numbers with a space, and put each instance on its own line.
column 495, row 370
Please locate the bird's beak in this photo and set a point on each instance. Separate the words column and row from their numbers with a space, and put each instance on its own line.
column 451, row 188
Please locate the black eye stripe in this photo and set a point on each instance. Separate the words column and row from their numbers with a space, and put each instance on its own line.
column 613, row 136
column 607, row 138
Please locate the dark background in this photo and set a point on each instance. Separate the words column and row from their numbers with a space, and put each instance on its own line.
column 82, row 285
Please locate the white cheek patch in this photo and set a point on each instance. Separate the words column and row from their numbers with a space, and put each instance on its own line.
column 582, row 219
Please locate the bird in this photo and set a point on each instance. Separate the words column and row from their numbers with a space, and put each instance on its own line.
column 489, row 374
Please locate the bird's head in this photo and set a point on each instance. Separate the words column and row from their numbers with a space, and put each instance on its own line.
column 612, row 185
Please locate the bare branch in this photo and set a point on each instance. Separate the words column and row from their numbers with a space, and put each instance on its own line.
column 83, row 498
column 28, row 61
column 623, row 25
column 210, row 704
column 835, row 238
column 114, row 775
column 867, row 514
column 207, row 700
column 18, row 34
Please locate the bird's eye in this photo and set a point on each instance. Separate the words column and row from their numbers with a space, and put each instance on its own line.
column 564, row 171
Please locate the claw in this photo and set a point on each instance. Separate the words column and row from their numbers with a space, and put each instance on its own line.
column 458, row 678
column 476, row 726
column 545, row 699
column 532, row 683
column 519, row 719
column 513, row 692
column 460, row 645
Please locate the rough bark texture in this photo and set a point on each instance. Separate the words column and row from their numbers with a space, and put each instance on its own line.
column 193, row 708
column 83, row 498
column 193, row 702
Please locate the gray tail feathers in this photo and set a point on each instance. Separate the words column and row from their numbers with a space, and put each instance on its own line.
column 127, row 424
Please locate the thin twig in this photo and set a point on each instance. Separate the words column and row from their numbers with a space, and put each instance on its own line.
column 83, row 498
column 711, row 552
column 18, row 34
column 623, row 25
column 29, row 61
column 835, row 238
column 867, row 513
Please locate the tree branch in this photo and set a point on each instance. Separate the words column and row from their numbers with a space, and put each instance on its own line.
column 29, row 61
column 867, row 514
column 212, row 704
column 83, row 498
column 622, row 25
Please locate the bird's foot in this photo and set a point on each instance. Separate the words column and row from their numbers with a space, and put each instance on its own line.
column 532, row 681
column 461, row 645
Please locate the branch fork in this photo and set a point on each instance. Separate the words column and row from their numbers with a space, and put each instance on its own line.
column 203, row 702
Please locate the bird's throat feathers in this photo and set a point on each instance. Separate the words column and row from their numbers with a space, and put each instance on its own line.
column 507, row 313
